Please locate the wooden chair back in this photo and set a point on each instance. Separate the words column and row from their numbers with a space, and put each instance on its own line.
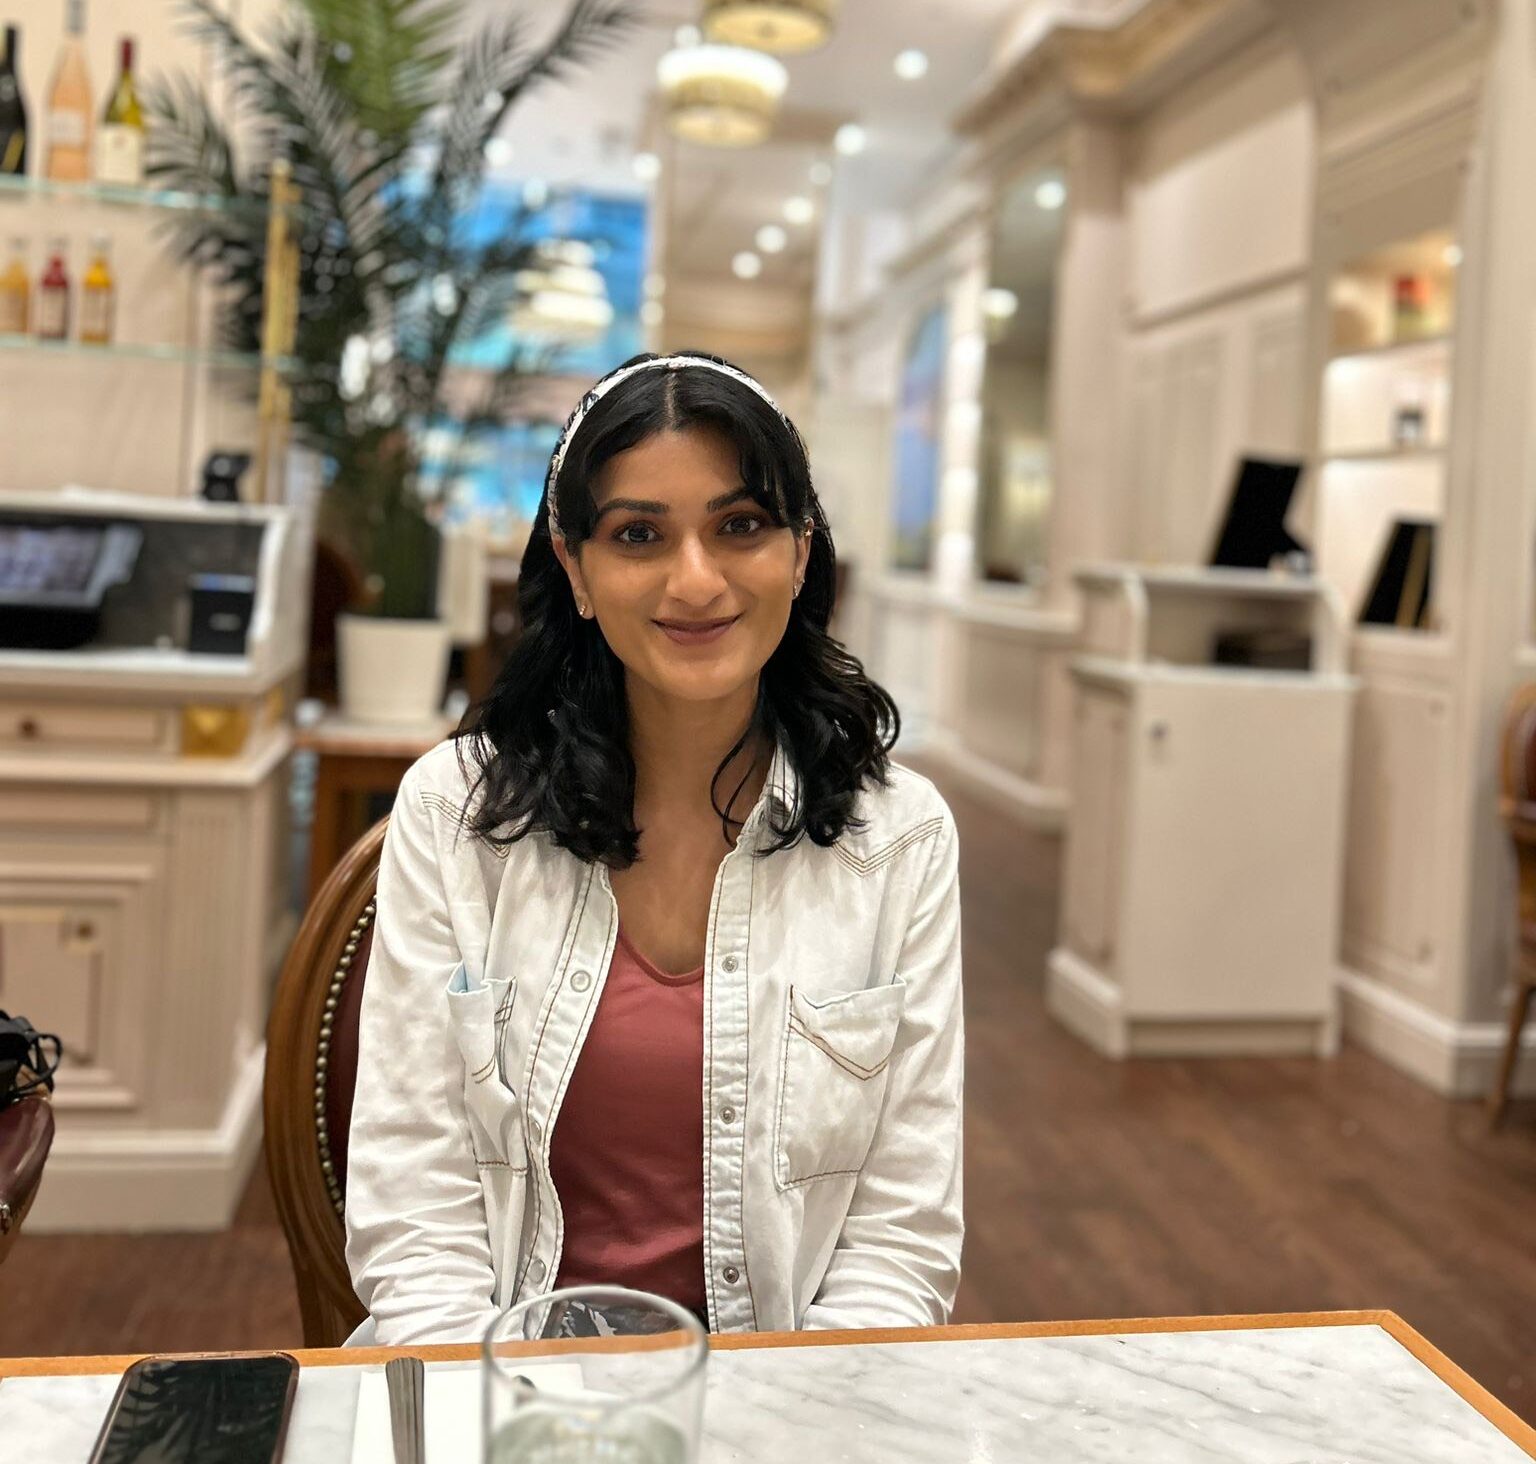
column 26, row 1135
column 1517, row 795
column 310, row 1074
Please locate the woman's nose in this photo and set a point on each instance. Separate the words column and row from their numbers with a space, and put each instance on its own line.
column 694, row 576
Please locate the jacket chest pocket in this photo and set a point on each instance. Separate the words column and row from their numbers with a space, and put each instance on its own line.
column 836, row 1065
column 479, row 1016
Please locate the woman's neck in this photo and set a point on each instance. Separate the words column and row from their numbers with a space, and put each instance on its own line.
column 677, row 747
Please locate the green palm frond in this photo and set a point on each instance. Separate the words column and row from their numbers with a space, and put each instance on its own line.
column 350, row 94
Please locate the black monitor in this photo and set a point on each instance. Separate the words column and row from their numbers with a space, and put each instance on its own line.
column 1253, row 532
column 1400, row 589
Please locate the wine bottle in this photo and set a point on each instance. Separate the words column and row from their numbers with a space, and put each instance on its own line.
column 53, row 296
column 98, row 295
column 120, row 139
column 69, row 104
column 15, row 291
column 13, row 109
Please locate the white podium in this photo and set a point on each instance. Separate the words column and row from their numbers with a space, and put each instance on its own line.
column 1201, row 899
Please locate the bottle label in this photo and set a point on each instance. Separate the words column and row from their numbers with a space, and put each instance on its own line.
column 13, row 310
column 66, row 129
column 119, row 154
column 52, row 313
column 96, row 316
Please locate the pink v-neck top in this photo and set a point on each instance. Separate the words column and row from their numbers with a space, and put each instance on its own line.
column 627, row 1152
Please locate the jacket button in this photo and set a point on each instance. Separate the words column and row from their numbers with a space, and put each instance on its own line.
column 535, row 1132
column 728, row 964
column 537, row 1269
column 731, row 1275
column 580, row 981
column 727, row 1115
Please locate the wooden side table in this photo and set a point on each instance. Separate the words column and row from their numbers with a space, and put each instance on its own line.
column 354, row 759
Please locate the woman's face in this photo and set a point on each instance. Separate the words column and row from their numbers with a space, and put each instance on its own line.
column 689, row 579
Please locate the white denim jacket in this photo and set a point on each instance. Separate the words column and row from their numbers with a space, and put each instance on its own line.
column 833, row 1067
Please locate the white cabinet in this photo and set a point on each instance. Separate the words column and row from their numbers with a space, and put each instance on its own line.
column 1201, row 905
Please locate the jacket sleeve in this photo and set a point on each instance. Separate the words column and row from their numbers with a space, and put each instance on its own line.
column 897, row 1258
column 417, row 1243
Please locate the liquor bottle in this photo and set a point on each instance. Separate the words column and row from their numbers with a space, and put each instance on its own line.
column 13, row 109
column 98, row 295
column 1410, row 307
column 69, row 105
column 120, row 139
column 15, row 291
column 53, row 296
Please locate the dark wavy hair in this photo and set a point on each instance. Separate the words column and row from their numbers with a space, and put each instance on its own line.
column 548, row 750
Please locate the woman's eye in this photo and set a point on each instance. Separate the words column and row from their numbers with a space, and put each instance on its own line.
column 635, row 534
column 743, row 524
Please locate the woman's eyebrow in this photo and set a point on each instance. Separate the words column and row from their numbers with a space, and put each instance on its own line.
column 653, row 506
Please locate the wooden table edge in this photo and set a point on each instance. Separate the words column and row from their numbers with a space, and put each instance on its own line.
column 1466, row 1387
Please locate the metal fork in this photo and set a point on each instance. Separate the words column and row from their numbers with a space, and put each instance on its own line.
column 406, row 1380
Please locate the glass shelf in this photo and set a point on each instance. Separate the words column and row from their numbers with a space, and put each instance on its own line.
column 1385, row 454
column 119, row 196
column 176, row 355
column 1392, row 348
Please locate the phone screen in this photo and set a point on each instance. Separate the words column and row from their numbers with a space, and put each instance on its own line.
column 211, row 1410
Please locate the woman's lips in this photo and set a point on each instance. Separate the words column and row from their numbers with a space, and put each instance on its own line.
column 696, row 633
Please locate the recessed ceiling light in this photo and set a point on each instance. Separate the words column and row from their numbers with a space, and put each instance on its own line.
column 998, row 303
column 799, row 210
column 651, row 313
column 1452, row 255
column 1051, row 194
column 746, row 265
column 498, row 152
column 771, row 239
column 655, row 286
column 849, row 139
column 911, row 65
column 647, row 167
column 687, row 35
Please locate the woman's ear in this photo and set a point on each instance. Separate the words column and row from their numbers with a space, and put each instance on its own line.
column 803, row 550
column 572, row 567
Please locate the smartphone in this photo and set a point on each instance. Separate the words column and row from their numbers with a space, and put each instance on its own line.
column 204, row 1408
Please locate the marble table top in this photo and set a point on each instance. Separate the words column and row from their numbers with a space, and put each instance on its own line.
column 1317, row 1394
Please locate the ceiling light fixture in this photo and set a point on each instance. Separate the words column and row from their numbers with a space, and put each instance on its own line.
column 849, row 139
column 799, row 210
column 911, row 65
column 647, row 167
column 726, row 96
column 746, row 265
column 1050, row 194
column 771, row 239
column 785, row 27
column 561, row 296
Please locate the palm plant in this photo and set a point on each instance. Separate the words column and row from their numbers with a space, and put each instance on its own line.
column 384, row 122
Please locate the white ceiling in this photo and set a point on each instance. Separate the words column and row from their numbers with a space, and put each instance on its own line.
column 587, row 131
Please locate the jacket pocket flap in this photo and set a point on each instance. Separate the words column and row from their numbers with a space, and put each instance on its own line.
column 856, row 1030
column 479, row 1015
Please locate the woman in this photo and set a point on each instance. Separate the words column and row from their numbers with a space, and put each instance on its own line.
column 665, row 985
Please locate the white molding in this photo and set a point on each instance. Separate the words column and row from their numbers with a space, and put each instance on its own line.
column 1041, row 807
column 136, row 1180
column 1458, row 1059
column 1086, row 1003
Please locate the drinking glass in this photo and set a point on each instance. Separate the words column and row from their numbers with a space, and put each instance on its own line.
column 642, row 1380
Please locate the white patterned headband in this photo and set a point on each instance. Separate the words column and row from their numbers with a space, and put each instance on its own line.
column 607, row 384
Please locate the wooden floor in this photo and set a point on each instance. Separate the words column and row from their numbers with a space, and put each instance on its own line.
column 1094, row 1189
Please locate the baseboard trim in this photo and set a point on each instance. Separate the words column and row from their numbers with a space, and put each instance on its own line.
column 1041, row 807
column 1085, row 1003
column 141, row 1179
column 1456, row 1059
column 1092, row 1007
